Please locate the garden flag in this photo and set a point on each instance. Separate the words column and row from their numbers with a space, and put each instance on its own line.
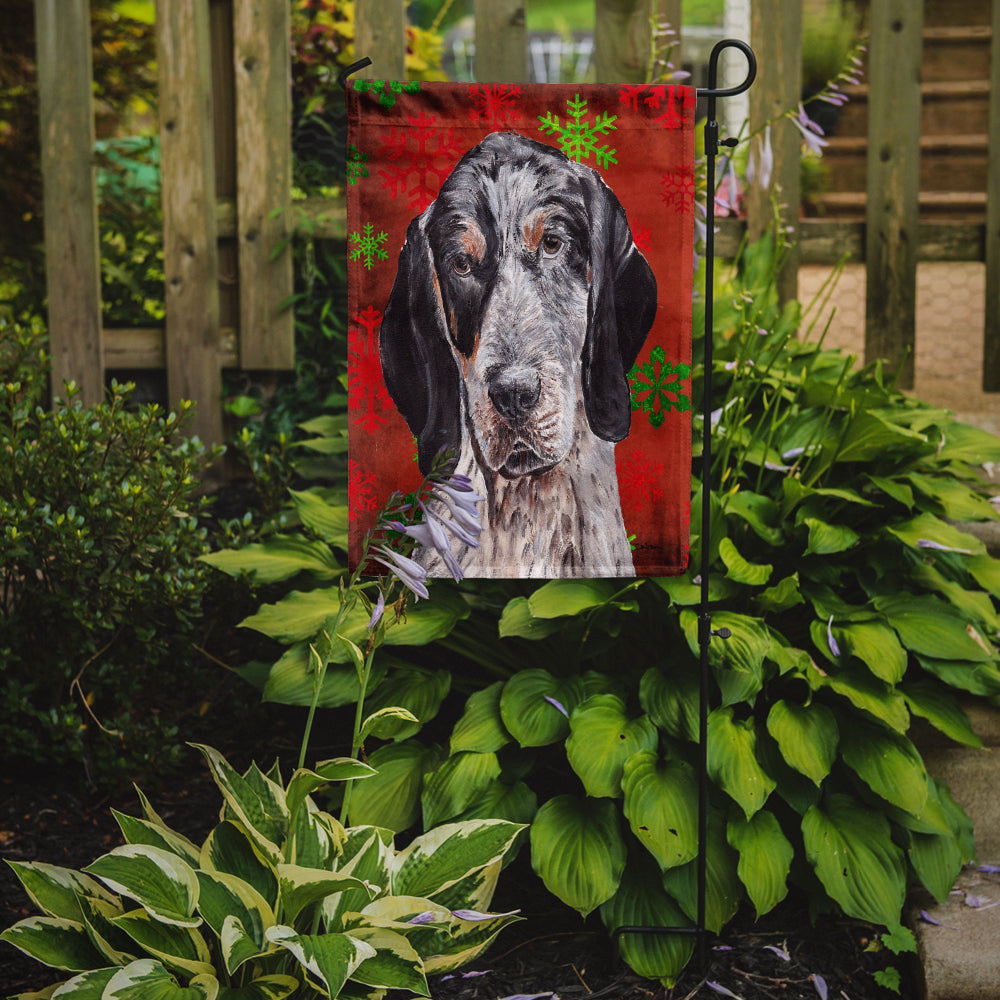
column 520, row 272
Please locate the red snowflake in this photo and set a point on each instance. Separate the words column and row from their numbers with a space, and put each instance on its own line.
column 493, row 104
column 640, row 483
column 678, row 188
column 365, row 383
column 640, row 237
column 675, row 100
column 360, row 491
column 419, row 159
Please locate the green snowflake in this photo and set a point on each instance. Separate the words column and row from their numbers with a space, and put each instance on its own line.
column 356, row 161
column 656, row 386
column 386, row 90
column 368, row 246
column 578, row 138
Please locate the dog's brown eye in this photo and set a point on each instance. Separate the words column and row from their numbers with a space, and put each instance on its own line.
column 552, row 245
column 461, row 265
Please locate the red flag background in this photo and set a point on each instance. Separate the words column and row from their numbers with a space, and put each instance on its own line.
column 404, row 141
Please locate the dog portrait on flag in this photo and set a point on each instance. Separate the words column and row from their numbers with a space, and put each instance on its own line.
column 510, row 304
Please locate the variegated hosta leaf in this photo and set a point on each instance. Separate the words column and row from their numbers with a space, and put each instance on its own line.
column 475, row 891
column 225, row 897
column 304, row 782
column 256, row 801
column 300, row 887
column 602, row 737
column 807, row 736
column 230, row 849
column 158, row 880
column 274, row 987
column 116, row 946
column 54, row 941
column 86, row 986
column 481, row 727
column 661, row 799
column 441, row 857
column 578, row 851
column 395, row 964
column 141, row 831
column 535, row 706
column 456, row 784
column 850, row 847
column 315, row 838
column 177, row 947
column 56, row 891
column 149, row 980
column 732, row 760
column 765, row 858
column 367, row 853
column 329, row 959
column 723, row 889
column 642, row 902
column 466, row 941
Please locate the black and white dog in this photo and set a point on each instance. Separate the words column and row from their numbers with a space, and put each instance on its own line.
column 519, row 305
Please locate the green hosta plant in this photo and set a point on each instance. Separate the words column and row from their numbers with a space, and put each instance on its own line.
column 855, row 605
column 279, row 900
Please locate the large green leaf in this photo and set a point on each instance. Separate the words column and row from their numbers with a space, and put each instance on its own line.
column 164, row 885
column 147, row 979
column 329, row 521
column 391, row 798
column 517, row 620
column 932, row 628
column 739, row 569
column 671, row 699
column 304, row 782
column 535, row 706
column 738, row 661
column 958, row 502
column 864, row 691
column 54, row 941
column 732, row 760
column 559, row 598
column 976, row 678
column 279, row 558
column 439, row 858
column 924, row 528
column 329, row 959
column 876, row 646
column 56, row 891
column 723, row 889
column 292, row 680
column 870, row 436
column 640, row 901
column 481, row 728
column 516, row 803
column 456, row 784
column 941, row 709
column 851, row 850
column 602, row 738
column 807, row 736
column 661, row 800
column 828, row 539
column 578, row 851
column 418, row 690
column 765, row 858
column 888, row 763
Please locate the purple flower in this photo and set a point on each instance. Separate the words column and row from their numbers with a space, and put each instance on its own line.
column 427, row 917
column 834, row 648
column 780, row 952
column 761, row 162
column 377, row 611
column 820, row 983
column 411, row 574
column 558, row 705
column 475, row 915
column 811, row 132
column 719, row 988
column 927, row 543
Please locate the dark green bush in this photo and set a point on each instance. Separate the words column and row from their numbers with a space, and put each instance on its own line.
column 100, row 587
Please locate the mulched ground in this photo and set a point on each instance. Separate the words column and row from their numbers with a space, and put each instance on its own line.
column 551, row 952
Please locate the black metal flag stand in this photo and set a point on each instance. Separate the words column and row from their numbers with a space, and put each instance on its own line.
column 705, row 631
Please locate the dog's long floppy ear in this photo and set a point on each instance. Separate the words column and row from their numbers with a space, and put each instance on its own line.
column 417, row 363
column 621, row 310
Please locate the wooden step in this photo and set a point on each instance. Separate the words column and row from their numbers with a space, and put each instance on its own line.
column 940, row 13
column 947, row 162
column 956, row 53
column 957, row 206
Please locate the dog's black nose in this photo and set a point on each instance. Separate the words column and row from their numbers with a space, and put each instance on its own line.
column 515, row 393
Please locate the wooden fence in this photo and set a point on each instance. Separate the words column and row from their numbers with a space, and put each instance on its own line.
column 226, row 161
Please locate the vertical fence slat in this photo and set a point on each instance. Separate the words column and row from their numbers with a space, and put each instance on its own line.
column 893, row 183
column 72, row 257
column 380, row 34
column 991, row 332
column 190, row 253
column 261, row 56
column 621, row 40
column 776, row 35
column 501, row 41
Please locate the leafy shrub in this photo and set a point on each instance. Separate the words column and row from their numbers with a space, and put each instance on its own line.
column 279, row 899
column 99, row 539
column 854, row 603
